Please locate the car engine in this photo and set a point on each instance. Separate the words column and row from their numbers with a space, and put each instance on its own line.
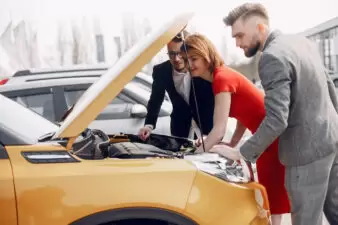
column 133, row 150
column 95, row 145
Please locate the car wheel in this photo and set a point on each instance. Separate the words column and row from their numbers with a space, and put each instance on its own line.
column 140, row 221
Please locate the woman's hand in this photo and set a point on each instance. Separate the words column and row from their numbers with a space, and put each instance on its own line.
column 200, row 149
column 227, row 151
column 230, row 144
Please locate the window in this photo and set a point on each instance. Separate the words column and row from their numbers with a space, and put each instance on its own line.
column 100, row 48
column 39, row 103
column 119, row 107
column 73, row 96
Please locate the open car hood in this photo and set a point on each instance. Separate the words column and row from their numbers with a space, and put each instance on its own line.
column 98, row 95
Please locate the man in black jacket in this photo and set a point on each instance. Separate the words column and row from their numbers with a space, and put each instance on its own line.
column 172, row 76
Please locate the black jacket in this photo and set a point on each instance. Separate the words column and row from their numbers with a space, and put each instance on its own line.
column 182, row 112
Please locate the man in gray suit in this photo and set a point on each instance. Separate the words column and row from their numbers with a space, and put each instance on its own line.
column 301, row 109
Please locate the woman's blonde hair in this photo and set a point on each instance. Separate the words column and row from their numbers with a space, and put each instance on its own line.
column 198, row 44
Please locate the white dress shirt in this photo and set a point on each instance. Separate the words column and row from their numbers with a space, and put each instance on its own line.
column 182, row 82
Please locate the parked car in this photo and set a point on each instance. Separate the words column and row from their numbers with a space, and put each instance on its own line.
column 68, row 174
column 51, row 92
column 335, row 80
column 80, row 71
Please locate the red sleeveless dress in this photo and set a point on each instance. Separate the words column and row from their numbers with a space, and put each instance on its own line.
column 247, row 106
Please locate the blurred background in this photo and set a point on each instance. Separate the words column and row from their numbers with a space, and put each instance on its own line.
column 58, row 33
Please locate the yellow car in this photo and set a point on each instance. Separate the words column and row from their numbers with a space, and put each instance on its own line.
column 68, row 174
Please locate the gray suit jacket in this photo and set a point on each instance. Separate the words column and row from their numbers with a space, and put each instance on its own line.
column 300, row 102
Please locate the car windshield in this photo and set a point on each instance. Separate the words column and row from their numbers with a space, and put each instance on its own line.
column 21, row 123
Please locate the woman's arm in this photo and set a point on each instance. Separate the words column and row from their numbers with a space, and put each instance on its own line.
column 221, row 114
column 238, row 134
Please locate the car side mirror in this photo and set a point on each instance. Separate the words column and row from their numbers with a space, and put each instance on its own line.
column 139, row 111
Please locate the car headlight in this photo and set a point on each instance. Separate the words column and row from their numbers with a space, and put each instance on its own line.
column 223, row 168
column 234, row 172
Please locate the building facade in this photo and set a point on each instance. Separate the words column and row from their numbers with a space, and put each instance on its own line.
column 326, row 36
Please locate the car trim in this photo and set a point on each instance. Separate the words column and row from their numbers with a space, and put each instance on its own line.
column 59, row 101
column 22, row 73
column 61, row 77
column 3, row 152
column 134, row 213
column 27, row 92
column 43, row 157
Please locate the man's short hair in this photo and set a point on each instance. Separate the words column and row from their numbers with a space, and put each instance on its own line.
column 179, row 37
column 245, row 11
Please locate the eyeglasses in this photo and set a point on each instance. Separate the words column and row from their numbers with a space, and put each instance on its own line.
column 179, row 36
column 173, row 54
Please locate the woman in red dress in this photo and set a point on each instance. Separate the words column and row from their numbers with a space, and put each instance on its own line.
column 237, row 97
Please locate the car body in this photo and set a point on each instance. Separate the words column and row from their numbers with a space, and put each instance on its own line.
column 68, row 174
column 51, row 92
column 335, row 80
column 75, row 71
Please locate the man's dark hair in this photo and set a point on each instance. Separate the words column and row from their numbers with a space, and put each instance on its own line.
column 245, row 11
column 179, row 37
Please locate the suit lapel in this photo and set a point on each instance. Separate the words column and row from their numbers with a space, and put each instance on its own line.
column 191, row 94
column 170, row 79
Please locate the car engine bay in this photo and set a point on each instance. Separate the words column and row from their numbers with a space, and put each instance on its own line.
column 96, row 145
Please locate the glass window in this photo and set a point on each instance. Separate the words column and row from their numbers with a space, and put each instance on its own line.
column 326, row 61
column 39, row 103
column 117, row 109
column 73, row 96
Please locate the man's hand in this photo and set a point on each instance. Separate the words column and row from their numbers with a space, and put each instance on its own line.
column 198, row 142
column 145, row 132
column 227, row 151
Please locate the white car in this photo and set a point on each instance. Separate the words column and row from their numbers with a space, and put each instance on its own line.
column 51, row 93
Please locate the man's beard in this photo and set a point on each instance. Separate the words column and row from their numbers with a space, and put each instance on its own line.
column 253, row 51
